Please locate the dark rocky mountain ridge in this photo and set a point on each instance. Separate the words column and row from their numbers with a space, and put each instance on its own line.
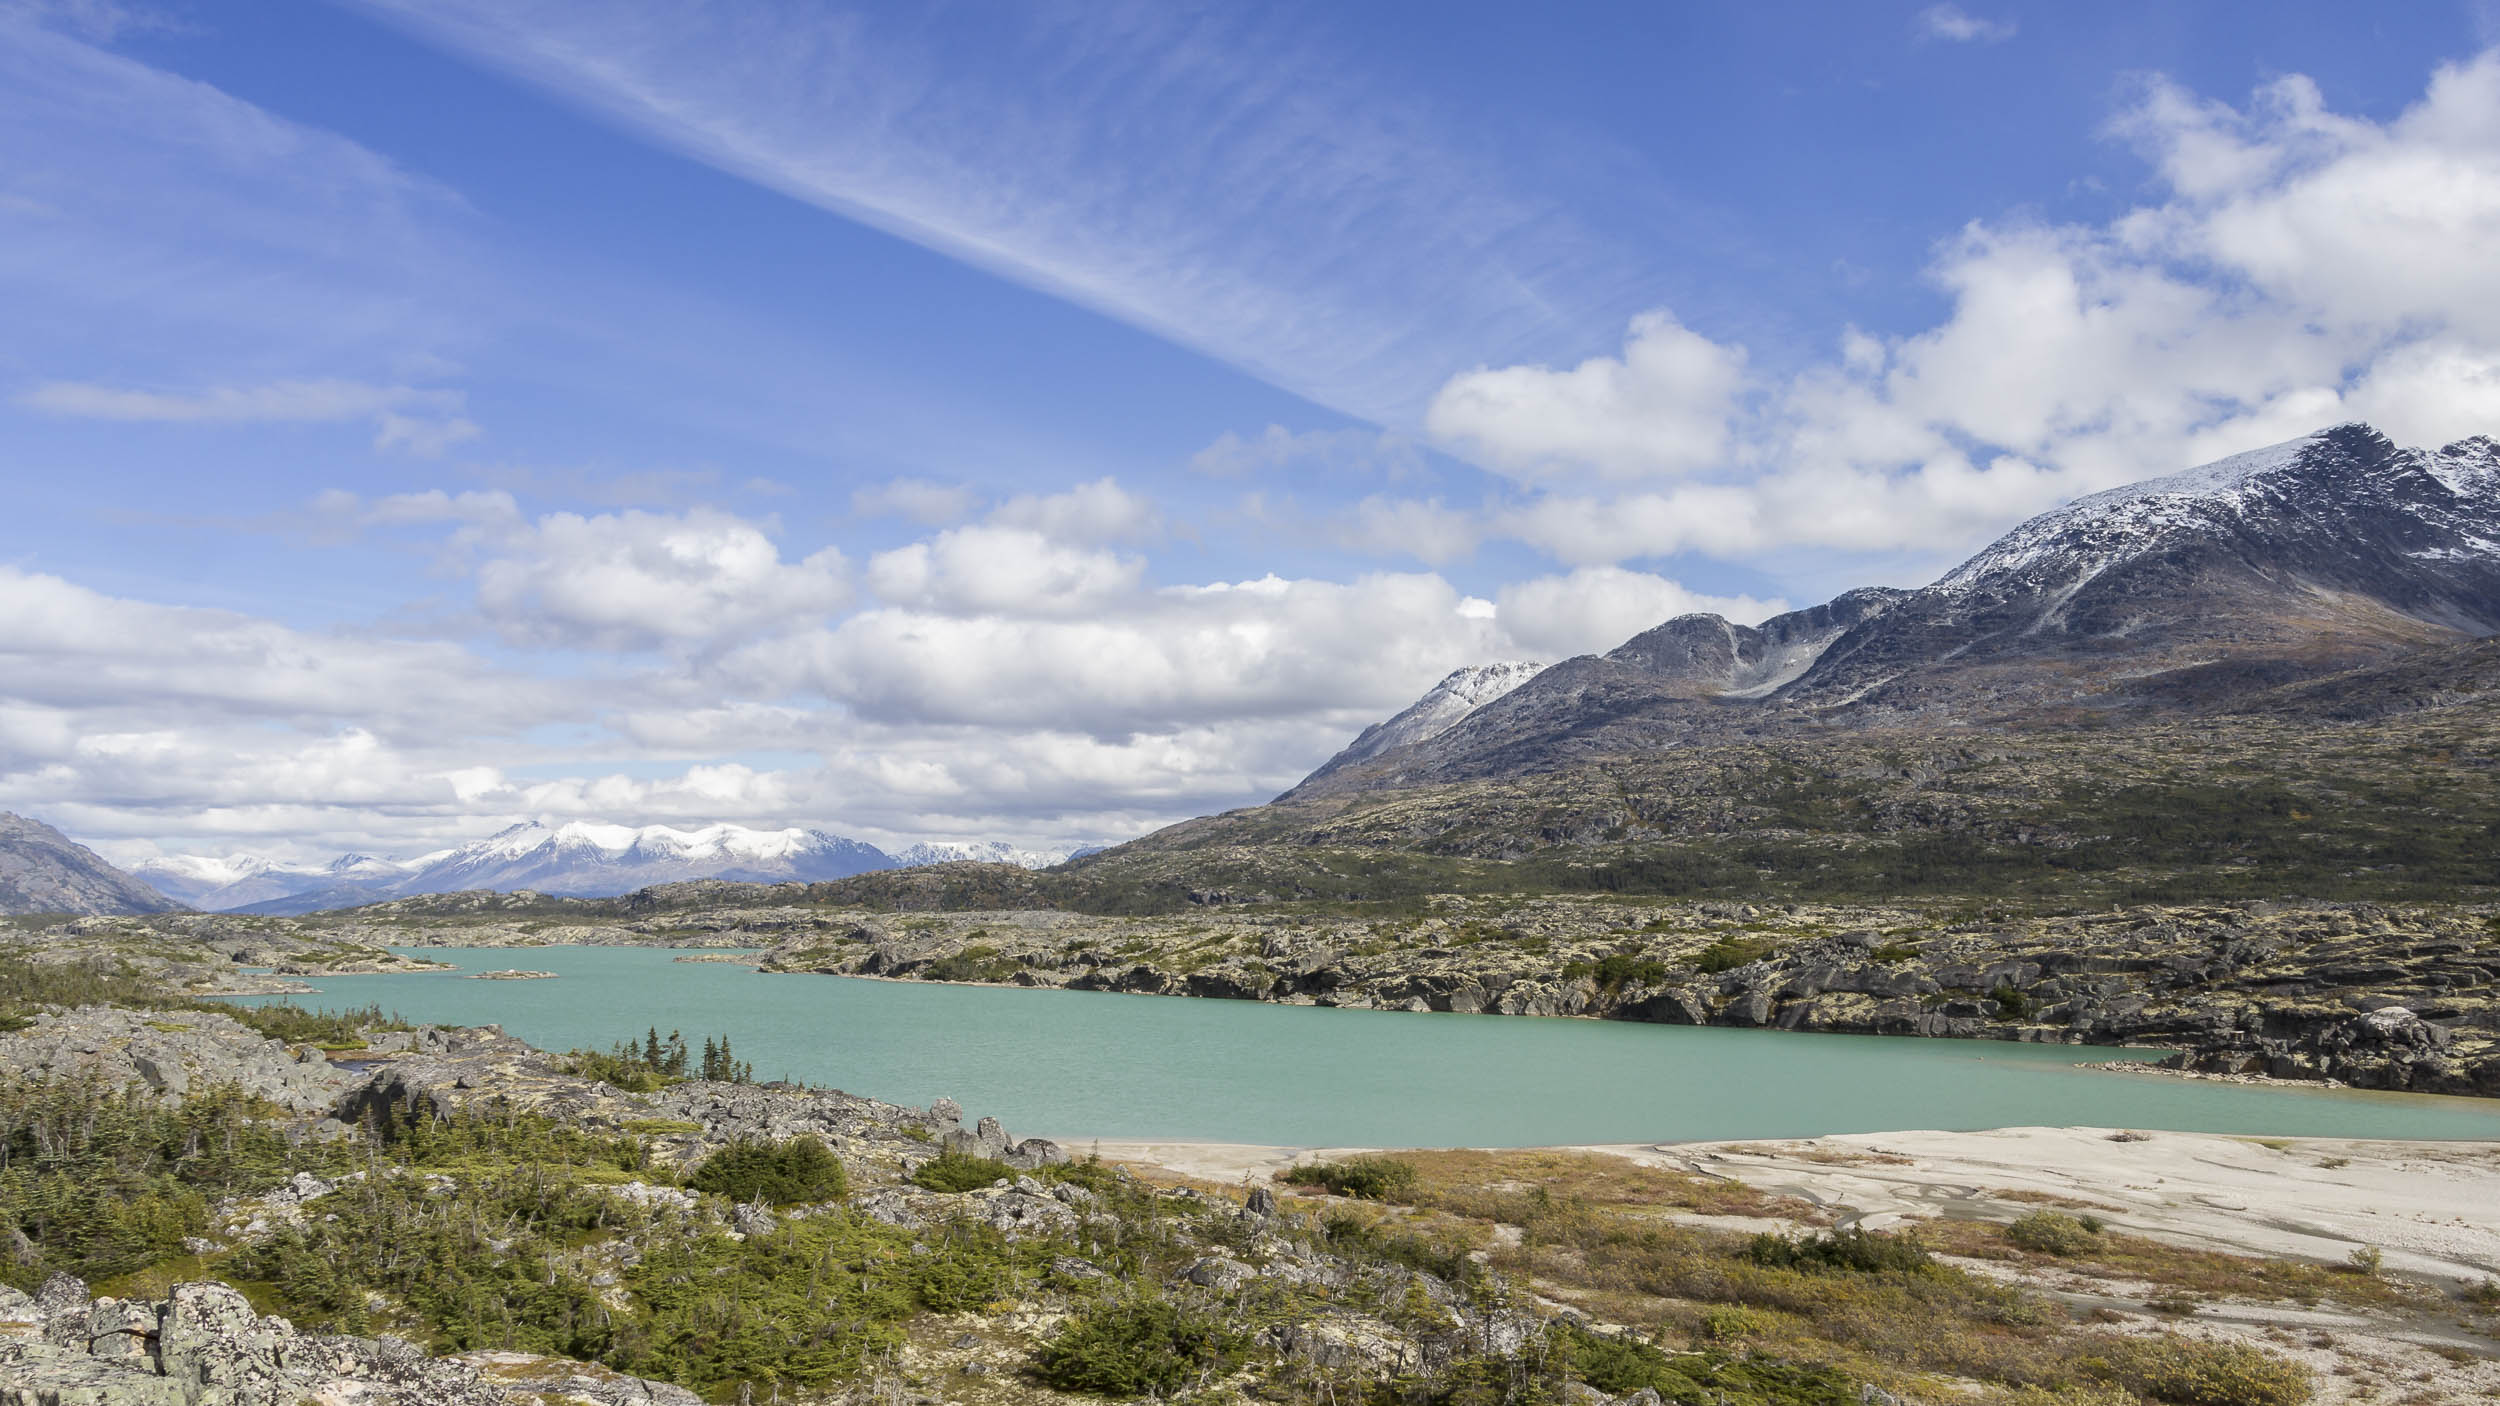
column 2335, row 552
column 44, row 871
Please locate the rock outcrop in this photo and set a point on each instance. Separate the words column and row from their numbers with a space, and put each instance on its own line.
column 45, row 871
column 174, row 1053
column 2371, row 996
column 202, row 1345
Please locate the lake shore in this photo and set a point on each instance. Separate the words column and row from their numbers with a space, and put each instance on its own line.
column 2424, row 1205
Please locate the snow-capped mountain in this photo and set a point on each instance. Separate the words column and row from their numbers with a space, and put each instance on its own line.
column 2334, row 551
column 1441, row 708
column 986, row 852
column 583, row 859
column 218, row 883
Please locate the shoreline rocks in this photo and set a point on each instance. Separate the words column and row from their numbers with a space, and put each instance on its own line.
column 2354, row 994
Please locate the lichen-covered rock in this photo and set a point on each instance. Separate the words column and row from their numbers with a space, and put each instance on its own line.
column 171, row 1053
column 202, row 1345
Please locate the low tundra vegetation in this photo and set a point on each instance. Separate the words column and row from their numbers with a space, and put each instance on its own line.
column 1427, row 1279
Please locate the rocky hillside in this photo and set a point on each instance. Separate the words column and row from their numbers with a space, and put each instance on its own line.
column 44, row 871
column 2332, row 552
column 1446, row 705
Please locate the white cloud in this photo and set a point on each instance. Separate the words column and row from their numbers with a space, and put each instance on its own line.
column 1176, row 656
column 1598, row 607
column 64, row 646
column 917, row 499
column 641, row 580
column 1006, row 570
column 420, row 420
column 1422, row 528
column 1100, row 511
column 1661, row 408
column 1954, row 25
column 2302, row 268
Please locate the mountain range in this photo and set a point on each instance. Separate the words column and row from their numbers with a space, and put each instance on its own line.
column 2332, row 552
column 42, row 871
column 2333, row 579
column 581, row 859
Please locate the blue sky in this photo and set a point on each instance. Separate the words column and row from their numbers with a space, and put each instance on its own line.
column 1043, row 422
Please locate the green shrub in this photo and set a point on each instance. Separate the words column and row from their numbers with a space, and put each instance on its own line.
column 1623, row 1365
column 2365, row 1260
column 979, row 962
column 967, row 1266
column 779, row 1174
column 27, row 986
column 1365, row 1178
column 2053, row 1233
column 101, row 1182
column 1132, row 1346
column 1093, row 1173
column 2192, row 1372
column 958, row 1171
column 1858, row 1251
column 1349, row 1234
column 335, row 1030
column 1624, row 969
column 1727, row 1324
column 1729, row 953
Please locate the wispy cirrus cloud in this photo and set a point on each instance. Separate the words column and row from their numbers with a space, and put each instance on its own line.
column 1208, row 177
column 158, row 211
column 1955, row 25
column 416, row 419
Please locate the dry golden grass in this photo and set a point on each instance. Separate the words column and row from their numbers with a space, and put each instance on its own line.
column 1599, row 1232
column 2199, row 1273
column 2051, row 1198
column 1488, row 1184
column 1820, row 1156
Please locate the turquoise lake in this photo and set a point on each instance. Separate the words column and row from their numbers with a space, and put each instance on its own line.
column 1076, row 1064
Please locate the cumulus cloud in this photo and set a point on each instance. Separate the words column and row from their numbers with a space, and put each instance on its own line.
column 419, row 420
column 1008, row 570
column 63, row 645
column 1598, row 607
column 1422, row 528
column 643, row 580
column 1660, row 408
column 1955, row 25
column 2300, row 267
column 1182, row 655
column 1100, row 511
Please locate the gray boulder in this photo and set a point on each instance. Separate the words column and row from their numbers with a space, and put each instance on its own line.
column 204, row 1346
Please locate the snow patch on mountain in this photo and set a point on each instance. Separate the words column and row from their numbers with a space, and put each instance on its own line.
column 1446, row 705
column 2098, row 530
column 986, row 852
column 580, row 859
